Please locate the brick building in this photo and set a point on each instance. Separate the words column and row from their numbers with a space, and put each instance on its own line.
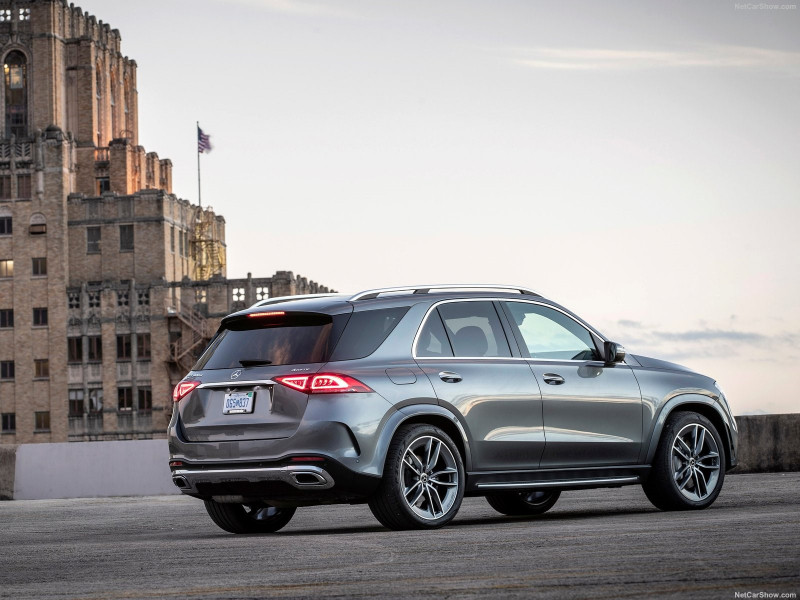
column 109, row 284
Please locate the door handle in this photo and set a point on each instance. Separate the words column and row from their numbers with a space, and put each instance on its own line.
column 449, row 377
column 553, row 378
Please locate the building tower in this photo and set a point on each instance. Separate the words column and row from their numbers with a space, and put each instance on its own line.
column 110, row 285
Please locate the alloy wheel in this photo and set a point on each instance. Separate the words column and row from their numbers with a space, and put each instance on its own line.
column 695, row 462
column 429, row 477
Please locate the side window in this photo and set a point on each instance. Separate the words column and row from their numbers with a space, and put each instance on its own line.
column 432, row 339
column 474, row 329
column 366, row 331
column 551, row 334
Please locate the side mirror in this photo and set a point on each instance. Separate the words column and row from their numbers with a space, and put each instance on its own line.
column 615, row 353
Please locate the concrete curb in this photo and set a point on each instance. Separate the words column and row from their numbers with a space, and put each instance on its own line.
column 768, row 443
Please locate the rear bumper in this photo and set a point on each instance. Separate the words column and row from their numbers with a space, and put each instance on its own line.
column 279, row 483
column 300, row 477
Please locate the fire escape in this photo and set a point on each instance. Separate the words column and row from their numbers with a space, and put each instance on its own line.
column 185, row 348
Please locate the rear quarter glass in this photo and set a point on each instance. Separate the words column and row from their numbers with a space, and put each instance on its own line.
column 366, row 331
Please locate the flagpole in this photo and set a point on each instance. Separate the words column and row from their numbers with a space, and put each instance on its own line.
column 199, row 199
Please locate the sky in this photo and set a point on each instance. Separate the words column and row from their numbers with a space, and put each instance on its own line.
column 634, row 161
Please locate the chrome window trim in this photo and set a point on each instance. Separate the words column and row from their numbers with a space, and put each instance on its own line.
column 590, row 329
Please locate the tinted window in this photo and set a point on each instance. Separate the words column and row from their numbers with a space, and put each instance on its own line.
column 549, row 333
column 366, row 330
column 254, row 341
column 432, row 339
column 474, row 329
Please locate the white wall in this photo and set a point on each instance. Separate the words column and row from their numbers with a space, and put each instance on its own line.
column 93, row 469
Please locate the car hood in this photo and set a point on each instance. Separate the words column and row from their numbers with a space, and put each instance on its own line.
column 654, row 363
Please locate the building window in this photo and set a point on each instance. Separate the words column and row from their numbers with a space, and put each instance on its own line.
column 99, row 95
column 171, row 237
column 124, row 399
column 145, row 399
column 5, row 15
column 143, row 297
column 125, row 238
column 38, row 224
column 74, row 300
column 92, row 240
column 123, row 298
column 39, row 266
column 6, row 369
column 41, row 368
column 74, row 350
column 262, row 293
column 124, row 347
column 238, row 294
column 75, row 403
column 24, row 14
column 95, row 348
column 42, row 420
column 93, row 299
column 103, row 185
column 40, row 317
column 180, row 243
column 24, row 186
column 5, row 187
column 16, row 81
column 7, row 267
column 143, row 346
column 200, row 295
column 95, row 400
column 5, row 226
column 9, row 422
column 6, row 317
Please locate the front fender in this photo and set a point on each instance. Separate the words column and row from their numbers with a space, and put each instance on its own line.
column 702, row 397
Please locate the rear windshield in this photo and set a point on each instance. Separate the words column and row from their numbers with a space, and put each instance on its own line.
column 248, row 342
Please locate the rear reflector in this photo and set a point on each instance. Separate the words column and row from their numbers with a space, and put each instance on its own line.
column 182, row 389
column 306, row 459
column 175, row 463
column 323, row 383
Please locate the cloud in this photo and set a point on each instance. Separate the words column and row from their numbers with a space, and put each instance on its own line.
column 711, row 335
column 630, row 324
column 706, row 56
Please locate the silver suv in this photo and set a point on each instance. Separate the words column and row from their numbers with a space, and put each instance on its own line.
column 410, row 398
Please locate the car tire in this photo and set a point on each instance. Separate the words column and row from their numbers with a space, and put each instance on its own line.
column 248, row 518
column 689, row 465
column 528, row 502
column 423, row 480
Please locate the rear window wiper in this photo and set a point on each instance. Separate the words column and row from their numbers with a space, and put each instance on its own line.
column 254, row 362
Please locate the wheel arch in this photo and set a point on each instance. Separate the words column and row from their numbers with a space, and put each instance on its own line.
column 702, row 405
column 428, row 414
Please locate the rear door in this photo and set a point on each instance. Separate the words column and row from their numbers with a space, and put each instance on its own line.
column 463, row 349
column 237, row 399
column 592, row 411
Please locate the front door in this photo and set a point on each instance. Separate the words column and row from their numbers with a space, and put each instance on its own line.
column 592, row 411
column 464, row 352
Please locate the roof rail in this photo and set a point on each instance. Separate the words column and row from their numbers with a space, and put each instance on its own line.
column 425, row 289
column 277, row 299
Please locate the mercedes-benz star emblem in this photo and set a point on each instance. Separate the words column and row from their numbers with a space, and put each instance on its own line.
column 236, row 373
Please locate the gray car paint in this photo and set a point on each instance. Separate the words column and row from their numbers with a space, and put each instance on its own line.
column 356, row 429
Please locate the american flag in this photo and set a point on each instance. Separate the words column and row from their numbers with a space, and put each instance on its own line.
column 203, row 141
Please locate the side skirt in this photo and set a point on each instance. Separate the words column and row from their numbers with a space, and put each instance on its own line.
column 480, row 483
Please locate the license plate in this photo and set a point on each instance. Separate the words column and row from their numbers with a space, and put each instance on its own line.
column 237, row 403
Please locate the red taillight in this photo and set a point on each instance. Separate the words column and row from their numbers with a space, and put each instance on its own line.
column 323, row 383
column 274, row 313
column 183, row 388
